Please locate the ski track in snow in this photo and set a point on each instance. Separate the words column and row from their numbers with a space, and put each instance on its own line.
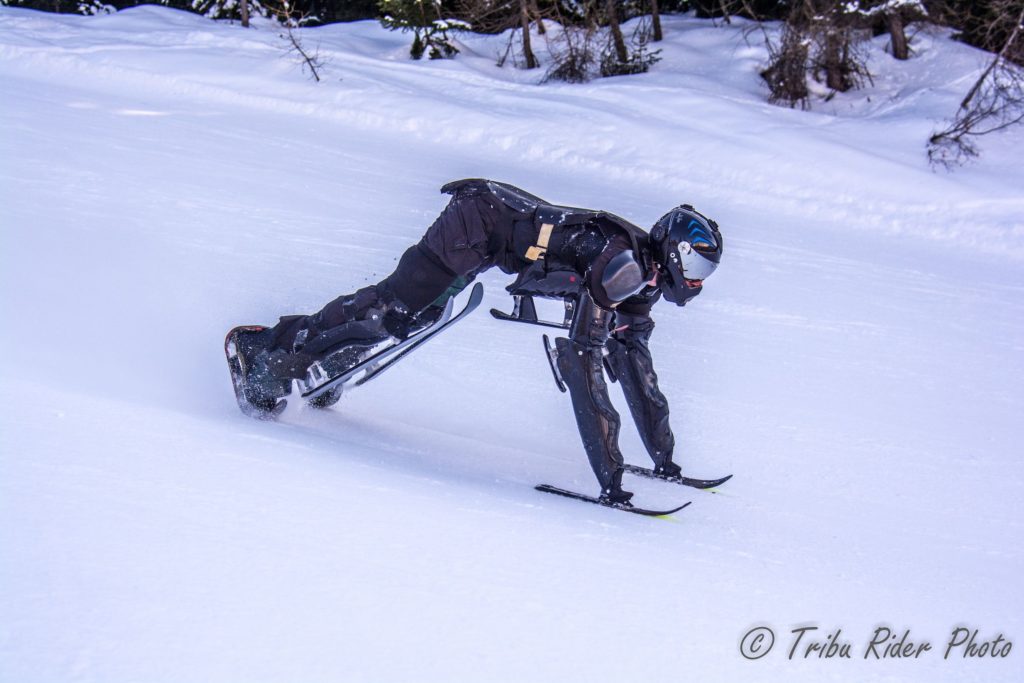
column 856, row 362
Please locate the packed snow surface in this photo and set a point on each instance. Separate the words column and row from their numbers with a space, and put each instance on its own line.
column 856, row 362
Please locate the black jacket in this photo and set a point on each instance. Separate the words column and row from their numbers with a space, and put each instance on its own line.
column 489, row 223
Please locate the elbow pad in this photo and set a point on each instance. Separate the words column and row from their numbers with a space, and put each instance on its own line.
column 622, row 277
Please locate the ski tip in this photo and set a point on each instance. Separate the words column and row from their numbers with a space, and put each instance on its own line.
column 670, row 512
column 710, row 485
column 477, row 294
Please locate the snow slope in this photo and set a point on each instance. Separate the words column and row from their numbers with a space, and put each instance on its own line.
column 856, row 362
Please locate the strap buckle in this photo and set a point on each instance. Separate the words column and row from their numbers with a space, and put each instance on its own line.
column 543, row 238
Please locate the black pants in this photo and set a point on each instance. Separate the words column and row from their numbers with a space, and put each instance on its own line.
column 457, row 246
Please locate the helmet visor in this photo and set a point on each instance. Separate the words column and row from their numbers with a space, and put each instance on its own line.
column 695, row 265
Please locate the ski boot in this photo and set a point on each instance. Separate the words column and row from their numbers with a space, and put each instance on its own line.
column 668, row 469
column 259, row 392
column 613, row 493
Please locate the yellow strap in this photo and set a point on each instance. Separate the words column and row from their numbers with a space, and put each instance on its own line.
column 538, row 250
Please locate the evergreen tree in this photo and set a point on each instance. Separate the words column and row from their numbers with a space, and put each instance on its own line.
column 429, row 27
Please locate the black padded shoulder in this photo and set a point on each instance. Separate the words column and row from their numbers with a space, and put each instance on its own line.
column 529, row 206
column 622, row 277
column 454, row 186
column 512, row 197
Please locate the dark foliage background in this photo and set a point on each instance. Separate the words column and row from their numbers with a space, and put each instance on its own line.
column 979, row 21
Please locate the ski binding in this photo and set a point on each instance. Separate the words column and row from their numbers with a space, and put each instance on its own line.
column 684, row 481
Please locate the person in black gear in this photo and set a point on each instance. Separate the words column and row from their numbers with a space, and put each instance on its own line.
column 623, row 271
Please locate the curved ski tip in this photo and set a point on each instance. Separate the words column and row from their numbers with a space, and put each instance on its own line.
column 684, row 505
column 718, row 482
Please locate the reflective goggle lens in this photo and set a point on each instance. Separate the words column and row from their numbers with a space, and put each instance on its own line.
column 695, row 266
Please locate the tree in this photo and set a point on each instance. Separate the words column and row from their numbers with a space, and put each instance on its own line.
column 995, row 101
column 291, row 19
column 821, row 39
column 524, row 20
column 495, row 16
column 424, row 19
column 986, row 24
column 656, row 21
column 892, row 17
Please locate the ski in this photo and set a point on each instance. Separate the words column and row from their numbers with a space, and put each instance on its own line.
column 319, row 381
column 552, row 355
column 625, row 507
column 383, row 359
column 475, row 297
column 685, row 481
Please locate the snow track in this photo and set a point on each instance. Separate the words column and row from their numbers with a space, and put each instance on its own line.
column 856, row 363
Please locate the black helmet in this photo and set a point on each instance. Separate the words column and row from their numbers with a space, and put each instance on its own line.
column 687, row 247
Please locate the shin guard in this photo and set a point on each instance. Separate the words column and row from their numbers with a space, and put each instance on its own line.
column 596, row 417
column 580, row 364
column 630, row 360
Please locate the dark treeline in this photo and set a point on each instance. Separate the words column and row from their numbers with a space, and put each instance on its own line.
column 819, row 46
column 820, row 35
column 976, row 19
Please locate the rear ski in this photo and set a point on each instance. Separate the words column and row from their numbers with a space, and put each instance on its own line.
column 317, row 384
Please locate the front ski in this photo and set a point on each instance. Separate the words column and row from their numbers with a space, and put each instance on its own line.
column 685, row 481
column 382, row 360
column 625, row 507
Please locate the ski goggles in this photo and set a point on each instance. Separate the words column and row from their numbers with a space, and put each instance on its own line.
column 695, row 266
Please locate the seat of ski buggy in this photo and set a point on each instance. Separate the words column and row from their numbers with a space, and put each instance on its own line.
column 537, row 280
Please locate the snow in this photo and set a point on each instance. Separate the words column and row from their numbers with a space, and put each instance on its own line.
column 856, row 362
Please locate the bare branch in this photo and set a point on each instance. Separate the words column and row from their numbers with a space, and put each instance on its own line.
column 999, row 57
column 994, row 102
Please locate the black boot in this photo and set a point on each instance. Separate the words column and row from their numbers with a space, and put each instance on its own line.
column 261, row 387
column 338, row 336
column 613, row 493
column 669, row 469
